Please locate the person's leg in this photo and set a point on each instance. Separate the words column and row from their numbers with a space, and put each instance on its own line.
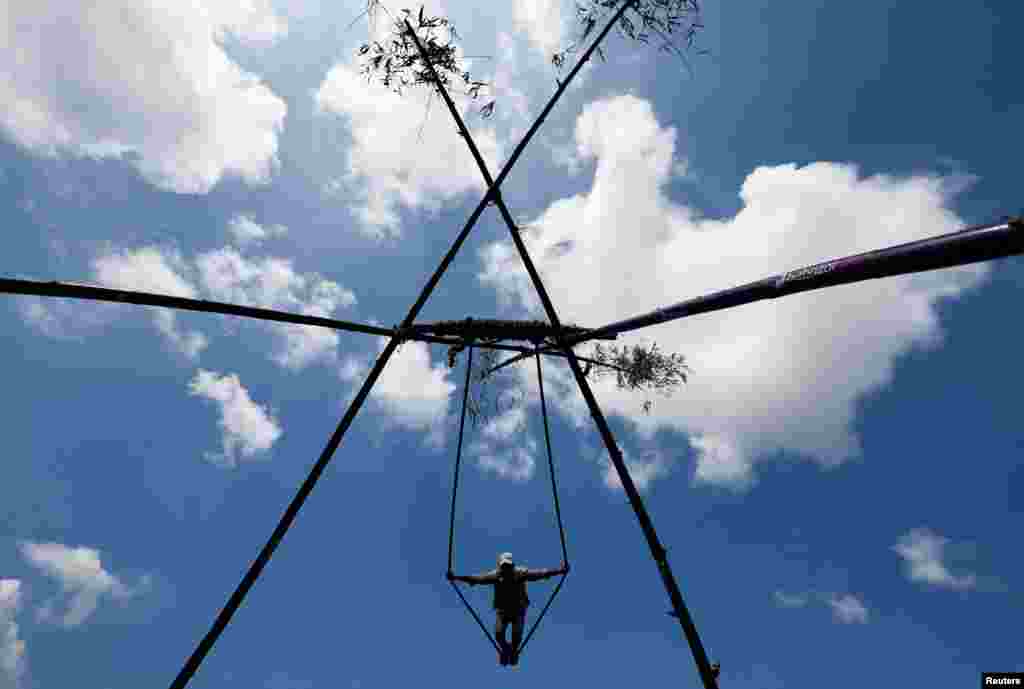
column 500, row 624
column 518, row 622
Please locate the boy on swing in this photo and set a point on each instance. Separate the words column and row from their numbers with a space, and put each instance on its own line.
column 510, row 599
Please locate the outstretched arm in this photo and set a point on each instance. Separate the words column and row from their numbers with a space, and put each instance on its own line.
column 539, row 574
column 474, row 579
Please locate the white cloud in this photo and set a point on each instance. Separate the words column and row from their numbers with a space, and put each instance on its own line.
column 922, row 550
column 720, row 461
column 786, row 600
column 513, row 463
column 191, row 344
column 273, row 283
column 12, row 648
column 542, row 22
column 147, row 80
column 511, row 100
column 776, row 375
column 247, row 231
column 353, row 369
column 398, row 156
column 848, row 609
column 64, row 319
column 412, row 389
column 250, row 20
column 504, row 426
column 151, row 270
column 504, row 448
column 146, row 269
column 81, row 575
column 249, row 429
column 643, row 471
column 222, row 275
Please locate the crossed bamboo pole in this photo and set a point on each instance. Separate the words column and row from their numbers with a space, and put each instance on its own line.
column 707, row 674
column 973, row 244
column 978, row 243
column 224, row 616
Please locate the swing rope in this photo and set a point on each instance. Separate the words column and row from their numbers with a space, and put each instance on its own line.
column 554, row 493
column 455, row 491
column 558, row 510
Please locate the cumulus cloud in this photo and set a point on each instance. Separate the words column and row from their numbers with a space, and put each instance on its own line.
column 222, row 275
column 506, row 424
column 722, row 461
column 147, row 81
column 848, row 609
column 64, row 319
column 643, row 471
column 249, row 20
column 147, row 269
column 273, row 283
column 513, row 463
column 152, row 270
column 402, row 154
column 81, row 575
column 245, row 230
column 922, row 552
column 502, row 449
column 413, row 390
column 508, row 73
column 12, row 648
column 542, row 22
column 249, row 430
column 771, row 376
column 190, row 344
column 352, row 369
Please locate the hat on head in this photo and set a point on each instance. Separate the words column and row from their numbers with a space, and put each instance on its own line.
column 505, row 559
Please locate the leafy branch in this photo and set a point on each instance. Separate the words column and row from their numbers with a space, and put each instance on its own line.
column 635, row 368
column 398, row 64
column 671, row 21
column 639, row 368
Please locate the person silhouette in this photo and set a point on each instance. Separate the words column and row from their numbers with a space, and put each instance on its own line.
column 510, row 600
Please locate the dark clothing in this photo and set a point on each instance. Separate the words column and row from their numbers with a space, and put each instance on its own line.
column 510, row 602
column 510, row 589
column 518, row 622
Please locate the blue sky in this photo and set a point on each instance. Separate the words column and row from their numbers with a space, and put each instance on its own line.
column 838, row 485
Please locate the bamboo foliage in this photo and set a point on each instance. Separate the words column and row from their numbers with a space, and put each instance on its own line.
column 674, row 22
column 398, row 64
